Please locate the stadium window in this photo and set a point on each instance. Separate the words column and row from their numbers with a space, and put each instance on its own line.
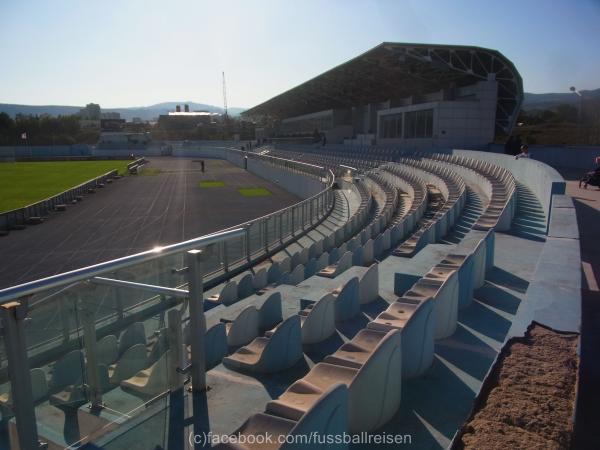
column 419, row 124
column 391, row 126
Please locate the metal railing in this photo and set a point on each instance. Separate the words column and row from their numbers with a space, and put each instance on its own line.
column 66, row 319
column 19, row 217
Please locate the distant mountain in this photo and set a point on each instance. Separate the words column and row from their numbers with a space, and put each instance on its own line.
column 53, row 110
column 530, row 101
column 143, row 112
column 552, row 100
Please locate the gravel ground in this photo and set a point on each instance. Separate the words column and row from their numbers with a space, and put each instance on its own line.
column 531, row 403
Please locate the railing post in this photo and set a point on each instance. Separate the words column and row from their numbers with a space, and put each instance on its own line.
column 281, row 228
column 248, row 242
column 266, row 234
column 118, row 299
column 13, row 318
column 175, row 338
column 64, row 318
column 292, row 228
column 197, row 320
column 318, row 206
column 91, row 356
column 225, row 256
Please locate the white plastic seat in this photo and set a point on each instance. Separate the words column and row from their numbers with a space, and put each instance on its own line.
column 130, row 363
column 369, row 285
column 246, row 286
column 107, row 350
column 67, row 371
column 318, row 322
column 134, row 334
column 243, row 328
column 347, row 304
column 373, row 389
column 151, row 381
column 327, row 417
column 227, row 296
column 265, row 355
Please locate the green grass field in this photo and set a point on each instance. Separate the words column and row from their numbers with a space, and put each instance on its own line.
column 211, row 184
column 23, row 183
column 254, row 192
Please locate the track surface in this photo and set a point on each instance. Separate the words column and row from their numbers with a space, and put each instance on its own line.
column 134, row 214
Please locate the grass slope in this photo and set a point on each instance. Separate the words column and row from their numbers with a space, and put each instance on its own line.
column 23, row 183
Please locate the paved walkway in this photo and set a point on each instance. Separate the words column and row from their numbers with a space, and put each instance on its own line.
column 134, row 214
column 587, row 206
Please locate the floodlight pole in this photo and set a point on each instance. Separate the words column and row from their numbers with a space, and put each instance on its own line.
column 574, row 90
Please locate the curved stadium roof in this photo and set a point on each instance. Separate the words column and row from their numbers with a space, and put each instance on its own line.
column 397, row 70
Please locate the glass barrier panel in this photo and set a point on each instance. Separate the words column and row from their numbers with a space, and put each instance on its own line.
column 213, row 262
column 236, row 250
column 254, row 233
column 272, row 226
column 120, row 364
column 285, row 223
column 293, row 219
column 169, row 273
column 55, row 350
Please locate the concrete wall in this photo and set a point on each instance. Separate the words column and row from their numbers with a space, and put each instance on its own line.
column 151, row 151
column 300, row 185
column 295, row 183
column 466, row 121
column 201, row 152
column 575, row 157
column 40, row 151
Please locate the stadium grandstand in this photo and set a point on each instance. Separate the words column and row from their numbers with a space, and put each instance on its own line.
column 410, row 95
column 388, row 306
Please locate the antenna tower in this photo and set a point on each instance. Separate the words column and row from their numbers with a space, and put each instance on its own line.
column 224, row 96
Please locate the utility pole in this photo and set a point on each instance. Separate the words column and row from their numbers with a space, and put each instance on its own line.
column 224, row 97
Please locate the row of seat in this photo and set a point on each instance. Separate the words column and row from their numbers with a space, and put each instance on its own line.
column 397, row 344
column 502, row 186
column 432, row 300
column 118, row 361
column 316, row 322
column 443, row 219
column 302, row 263
column 502, row 199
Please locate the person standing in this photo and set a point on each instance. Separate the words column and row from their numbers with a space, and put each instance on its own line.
column 517, row 145
column 524, row 152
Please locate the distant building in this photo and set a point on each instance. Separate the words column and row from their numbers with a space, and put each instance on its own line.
column 112, row 124
column 110, row 115
column 89, row 123
column 90, row 112
column 186, row 120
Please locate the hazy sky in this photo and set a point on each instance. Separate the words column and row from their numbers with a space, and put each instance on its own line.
column 133, row 53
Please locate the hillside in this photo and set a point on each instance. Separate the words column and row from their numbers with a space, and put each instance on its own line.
column 552, row 100
column 144, row 112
